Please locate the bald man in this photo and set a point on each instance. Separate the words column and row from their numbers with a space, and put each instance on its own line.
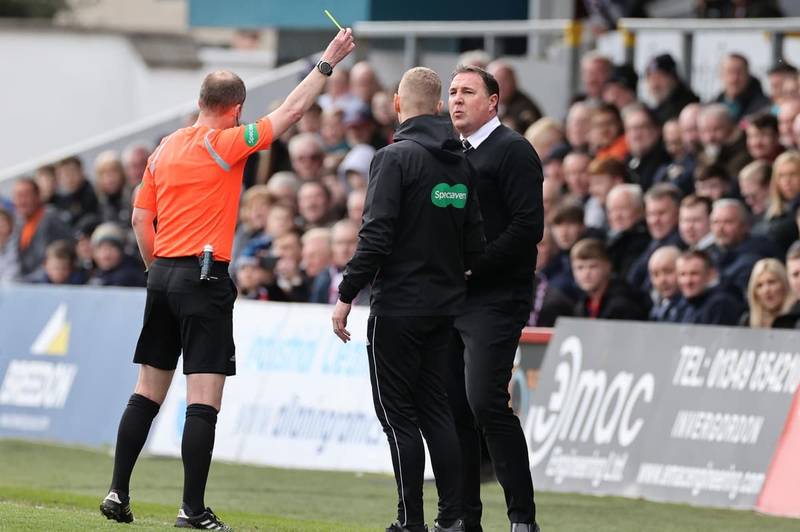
column 516, row 109
column 667, row 303
column 421, row 229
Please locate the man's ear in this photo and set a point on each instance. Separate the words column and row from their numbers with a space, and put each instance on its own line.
column 396, row 101
column 495, row 99
column 440, row 106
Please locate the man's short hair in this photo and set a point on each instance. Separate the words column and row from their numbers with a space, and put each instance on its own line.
column 589, row 249
column 608, row 166
column 739, row 57
column 718, row 110
column 31, row 182
column 221, row 90
column 568, row 212
column 72, row 159
column 317, row 233
column 693, row 200
column 489, row 82
column 711, row 171
column 62, row 250
column 744, row 214
column 303, row 138
column 782, row 68
column 765, row 121
column 794, row 252
column 421, row 89
column 698, row 254
column 661, row 191
column 638, row 107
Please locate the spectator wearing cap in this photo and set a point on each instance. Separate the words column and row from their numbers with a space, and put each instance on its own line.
column 544, row 135
column 360, row 128
column 112, row 266
column 324, row 288
column 723, row 142
column 59, row 266
column 515, row 109
column 548, row 302
column 36, row 226
column 553, row 163
column 595, row 73
column 114, row 201
column 604, row 174
column 788, row 110
column 784, row 196
column 354, row 169
column 661, row 208
column 681, row 168
column 707, row 302
column 668, row 91
column 735, row 251
column 83, row 242
column 576, row 175
column 9, row 267
column 607, row 134
column 668, row 305
column 754, row 187
column 694, row 222
column 763, row 139
column 768, row 294
column 741, row 91
column 578, row 124
column 74, row 196
column 777, row 77
column 307, row 153
column 604, row 295
column 622, row 86
column 713, row 182
column 791, row 318
column 627, row 237
column 646, row 153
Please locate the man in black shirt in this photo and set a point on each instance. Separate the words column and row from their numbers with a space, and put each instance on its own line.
column 421, row 227
column 509, row 185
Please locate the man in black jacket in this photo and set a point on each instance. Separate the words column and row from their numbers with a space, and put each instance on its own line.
column 669, row 92
column 707, row 301
column 421, row 226
column 604, row 296
column 509, row 184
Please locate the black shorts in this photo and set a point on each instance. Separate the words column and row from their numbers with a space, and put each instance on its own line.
column 184, row 313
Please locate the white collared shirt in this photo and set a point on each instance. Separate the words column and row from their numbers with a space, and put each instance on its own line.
column 483, row 132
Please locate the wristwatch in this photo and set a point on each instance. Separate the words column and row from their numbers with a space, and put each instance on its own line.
column 325, row 68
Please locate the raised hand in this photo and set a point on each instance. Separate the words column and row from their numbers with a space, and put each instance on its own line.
column 339, row 47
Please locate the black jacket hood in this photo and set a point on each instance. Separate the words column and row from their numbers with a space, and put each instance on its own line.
column 435, row 134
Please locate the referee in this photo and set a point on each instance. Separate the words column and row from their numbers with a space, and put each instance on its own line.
column 192, row 185
column 421, row 225
column 509, row 187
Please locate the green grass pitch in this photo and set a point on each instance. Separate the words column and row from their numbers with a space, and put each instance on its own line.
column 52, row 488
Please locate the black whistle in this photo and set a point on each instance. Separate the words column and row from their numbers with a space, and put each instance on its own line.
column 206, row 261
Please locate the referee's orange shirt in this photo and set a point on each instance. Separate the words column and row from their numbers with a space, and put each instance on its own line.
column 193, row 182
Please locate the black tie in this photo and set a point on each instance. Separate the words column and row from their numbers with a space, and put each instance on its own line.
column 467, row 146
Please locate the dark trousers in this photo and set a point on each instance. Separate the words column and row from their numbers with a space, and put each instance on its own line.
column 482, row 355
column 408, row 358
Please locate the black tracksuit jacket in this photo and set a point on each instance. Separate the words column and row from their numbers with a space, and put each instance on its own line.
column 421, row 226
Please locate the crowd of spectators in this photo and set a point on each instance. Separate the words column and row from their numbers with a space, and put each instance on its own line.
column 676, row 210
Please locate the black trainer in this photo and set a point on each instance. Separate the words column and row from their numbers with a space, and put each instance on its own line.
column 396, row 527
column 114, row 508
column 205, row 521
column 457, row 526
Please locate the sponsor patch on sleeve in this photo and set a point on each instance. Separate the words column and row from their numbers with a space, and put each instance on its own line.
column 251, row 134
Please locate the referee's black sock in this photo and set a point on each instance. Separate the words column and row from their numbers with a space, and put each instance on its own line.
column 196, row 448
column 133, row 429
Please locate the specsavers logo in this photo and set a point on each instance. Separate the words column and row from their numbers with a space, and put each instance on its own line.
column 42, row 383
column 251, row 135
column 443, row 195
